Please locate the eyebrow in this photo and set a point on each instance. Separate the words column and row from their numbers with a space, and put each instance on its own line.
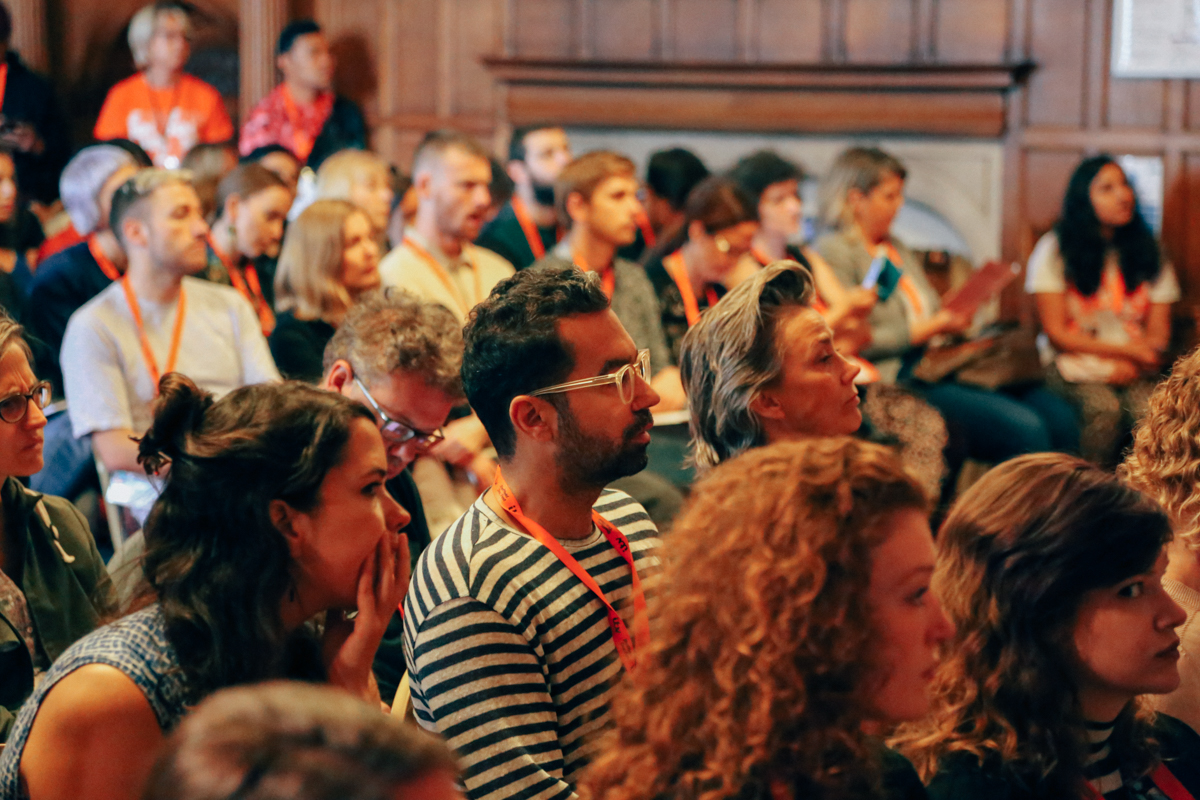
column 616, row 363
column 376, row 472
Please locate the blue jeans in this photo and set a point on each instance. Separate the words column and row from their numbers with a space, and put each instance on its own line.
column 1002, row 424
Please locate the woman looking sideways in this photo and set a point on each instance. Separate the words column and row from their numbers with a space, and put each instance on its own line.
column 274, row 511
column 1104, row 300
column 794, row 621
column 329, row 258
column 1051, row 571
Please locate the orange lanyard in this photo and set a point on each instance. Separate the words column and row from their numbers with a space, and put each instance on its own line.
column 102, row 260
column 761, row 257
column 532, row 235
column 176, row 335
column 302, row 143
column 3, row 81
column 677, row 269
column 608, row 276
column 1162, row 778
column 647, row 229
column 445, row 278
column 248, row 286
column 627, row 646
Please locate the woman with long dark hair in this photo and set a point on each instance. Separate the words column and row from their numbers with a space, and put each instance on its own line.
column 794, row 621
column 1104, row 299
column 273, row 512
column 1051, row 571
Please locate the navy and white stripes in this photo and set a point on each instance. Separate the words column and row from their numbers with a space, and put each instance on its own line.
column 510, row 656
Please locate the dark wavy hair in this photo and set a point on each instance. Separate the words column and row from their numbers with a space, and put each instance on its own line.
column 214, row 560
column 763, row 643
column 718, row 202
column 762, row 169
column 512, row 346
column 1016, row 555
column 1083, row 246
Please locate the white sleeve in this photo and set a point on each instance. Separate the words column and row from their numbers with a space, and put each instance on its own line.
column 1165, row 288
column 1045, row 272
column 257, row 364
column 98, row 394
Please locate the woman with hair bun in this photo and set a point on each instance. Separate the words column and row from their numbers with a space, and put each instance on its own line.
column 793, row 622
column 1051, row 570
column 273, row 512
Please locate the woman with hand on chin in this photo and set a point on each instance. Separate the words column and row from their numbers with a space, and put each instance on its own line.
column 329, row 258
column 1051, row 571
column 793, row 627
column 273, row 512
column 53, row 586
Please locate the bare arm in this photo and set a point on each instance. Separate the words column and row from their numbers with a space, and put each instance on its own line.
column 1158, row 326
column 1052, row 312
column 95, row 729
column 116, row 450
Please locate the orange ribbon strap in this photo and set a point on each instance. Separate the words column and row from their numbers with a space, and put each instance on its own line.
column 627, row 646
column 176, row 334
column 102, row 260
column 3, row 81
column 532, row 235
column 643, row 222
column 302, row 143
column 245, row 280
column 608, row 276
column 677, row 269
column 444, row 277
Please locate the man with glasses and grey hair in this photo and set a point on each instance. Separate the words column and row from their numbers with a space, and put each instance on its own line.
column 401, row 358
column 523, row 616
column 155, row 319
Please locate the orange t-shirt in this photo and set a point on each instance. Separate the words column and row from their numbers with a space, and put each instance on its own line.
column 165, row 122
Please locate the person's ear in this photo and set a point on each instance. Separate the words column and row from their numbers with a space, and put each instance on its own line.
column 293, row 524
column 423, row 184
column 232, row 204
column 533, row 417
column 283, row 63
column 518, row 172
column 134, row 232
column 696, row 230
column 766, row 404
column 578, row 208
column 854, row 198
column 339, row 378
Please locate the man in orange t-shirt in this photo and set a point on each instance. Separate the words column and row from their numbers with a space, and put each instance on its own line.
column 161, row 108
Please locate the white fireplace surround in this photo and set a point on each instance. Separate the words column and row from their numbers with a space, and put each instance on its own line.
column 953, row 187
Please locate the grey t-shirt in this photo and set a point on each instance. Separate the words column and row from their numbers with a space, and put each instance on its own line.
column 634, row 301
column 106, row 379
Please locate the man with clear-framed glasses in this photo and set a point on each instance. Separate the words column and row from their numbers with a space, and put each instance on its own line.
column 400, row 357
column 523, row 615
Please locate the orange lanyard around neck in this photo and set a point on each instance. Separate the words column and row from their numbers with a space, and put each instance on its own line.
column 643, row 222
column 761, row 257
column 3, row 81
column 444, row 277
column 532, row 235
column 677, row 269
column 102, row 260
column 302, row 142
column 176, row 334
column 627, row 646
column 245, row 280
column 608, row 275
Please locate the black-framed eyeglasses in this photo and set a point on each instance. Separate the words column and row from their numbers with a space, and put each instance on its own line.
column 14, row 407
column 396, row 431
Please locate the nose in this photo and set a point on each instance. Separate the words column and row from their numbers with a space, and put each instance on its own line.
column 199, row 226
column 34, row 417
column 940, row 627
column 394, row 514
column 645, row 397
column 1174, row 615
column 852, row 369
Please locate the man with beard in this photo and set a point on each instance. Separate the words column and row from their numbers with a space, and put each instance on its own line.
column 437, row 260
column 522, row 616
column 525, row 229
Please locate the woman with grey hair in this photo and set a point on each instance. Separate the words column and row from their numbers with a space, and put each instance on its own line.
column 760, row 367
column 163, row 109
column 68, row 279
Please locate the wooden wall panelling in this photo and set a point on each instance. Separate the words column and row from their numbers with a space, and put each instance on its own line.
column 544, row 28
column 1046, row 175
column 475, row 30
column 880, row 32
column 626, row 30
column 971, row 30
column 1056, row 89
column 790, row 30
column 704, row 30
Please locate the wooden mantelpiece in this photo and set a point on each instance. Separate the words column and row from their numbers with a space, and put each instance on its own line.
column 953, row 100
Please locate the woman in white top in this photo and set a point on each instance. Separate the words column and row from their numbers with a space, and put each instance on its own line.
column 1104, row 298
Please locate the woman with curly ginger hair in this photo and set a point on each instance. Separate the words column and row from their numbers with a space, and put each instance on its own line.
column 1165, row 464
column 797, row 616
column 1051, row 571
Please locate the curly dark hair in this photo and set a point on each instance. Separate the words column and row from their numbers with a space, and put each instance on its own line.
column 1016, row 555
column 763, row 640
column 1082, row 245
column 214, row 560
column 755, row 172
column 512, row 346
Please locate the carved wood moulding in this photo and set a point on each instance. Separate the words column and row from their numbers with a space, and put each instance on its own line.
column 940, row 99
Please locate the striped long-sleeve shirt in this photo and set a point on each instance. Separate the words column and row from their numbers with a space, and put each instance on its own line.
column 510, row 656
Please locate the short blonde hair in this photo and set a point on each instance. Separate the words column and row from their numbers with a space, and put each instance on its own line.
column 1164, row 462
column 141, row 28
column 341, row 171
column 861, row 168
column 308, row 280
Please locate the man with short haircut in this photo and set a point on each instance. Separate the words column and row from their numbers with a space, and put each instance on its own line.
column 522, row 616
column 302, row 113
column 596, row 197
column 156, row 319
column 526, row 228
column 401, row 358
column 437, row 260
